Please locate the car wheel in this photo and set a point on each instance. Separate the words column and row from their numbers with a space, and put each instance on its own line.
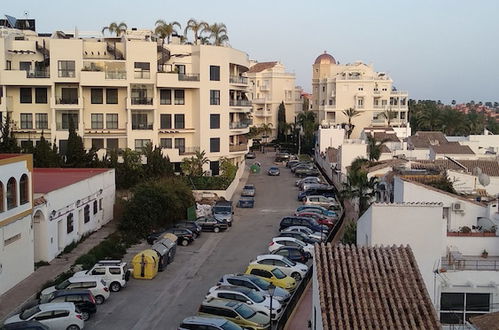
column 73, row 327
column 185, row 242
column 115, row 287
column 99, row 300
column 296, row 276
column 216, row 229
column 85, row 316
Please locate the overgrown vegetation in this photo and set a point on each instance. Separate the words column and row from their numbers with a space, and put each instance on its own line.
column 193, row 170
column 350, row 233
column 113, row 247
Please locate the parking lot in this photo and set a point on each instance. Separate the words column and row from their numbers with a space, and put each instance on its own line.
column 176, row 293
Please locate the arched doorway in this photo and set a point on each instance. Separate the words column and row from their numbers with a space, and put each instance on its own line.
column 40, row 236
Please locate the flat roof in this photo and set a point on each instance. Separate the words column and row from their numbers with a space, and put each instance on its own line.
column 5, row 156
column 49, row 179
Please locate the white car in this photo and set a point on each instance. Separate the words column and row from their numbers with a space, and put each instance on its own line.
column 294, row 269
column 307, row 231
column 320, row 200
column 56, row 316
column 95, row 284
column 257, row 301
column 278, row 242
column 113, row 272
column 308, row 179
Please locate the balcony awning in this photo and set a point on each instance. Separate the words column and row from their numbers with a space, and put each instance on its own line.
column 21, row 51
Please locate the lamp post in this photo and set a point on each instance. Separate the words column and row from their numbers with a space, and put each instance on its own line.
column 271, row 289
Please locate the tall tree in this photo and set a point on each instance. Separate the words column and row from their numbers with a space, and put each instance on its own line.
column 114, row 28
column 265, row 129
column 350, row 113
column 359, row 188
column 218, row 33
column 75, row 153
column 193, row 166
column 44, row 155
column 196, row 27
column 166, row 30
column 374, row 148
column 8, row 142
column 281, row 122
column 306, row 120
column 157, row 165
column 389, row 114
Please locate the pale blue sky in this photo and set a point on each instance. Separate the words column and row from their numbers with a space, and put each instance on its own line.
column 435, row 49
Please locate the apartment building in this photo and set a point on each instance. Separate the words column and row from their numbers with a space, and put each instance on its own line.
column 126, row 92
column 271, row 85
column 337, row 87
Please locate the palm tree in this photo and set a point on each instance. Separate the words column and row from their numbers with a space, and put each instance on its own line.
column 218, row 32
column 453, row 122
column 166, row 30
column 389, row 114
column 350, row 113
column 429, row 118
column 196, row 27
column 286, row 128
column 374, row 148
column 115, row 28
column 266, row 129
column 359, row 188
column 193, row 166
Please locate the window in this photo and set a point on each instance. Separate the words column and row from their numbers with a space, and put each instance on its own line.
column 12, row 239
column 111, row 120
column 69, row 96
column 402, row 115
column 8, row 65
column 100, row 200
column 112, row 144
column 361, row 88
column 165, row 143
column 86, row 213
column 179, row 97
column 323, row 88
column 27, row 145
column 141, row 143
column 40, row 95
column 24, row 189
column 165, row 96
column 97, row 120
column 142, row 70
column 96, row 96
column 180, row 145
column 360, row 103
column 456, row 307
column 139, row 121
column 25, row 95
column 63, row 147
column 97, row 144
column 112, row 96
column 115, row 270
column 165, row 121
column 179, row 121
column 215, row 145
column 69, row 223
column 11, row 193
column 99, row 271
column 214, row 97
column 66, row 69
column 2, row 206
column 215, row 168
column 214, row 121
column 26, row 120
column 180, row 69
column 95, row 207
column 214, row 73
column 66, row 117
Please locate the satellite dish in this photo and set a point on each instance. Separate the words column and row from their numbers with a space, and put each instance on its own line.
column 484, row 179
column 477, row 171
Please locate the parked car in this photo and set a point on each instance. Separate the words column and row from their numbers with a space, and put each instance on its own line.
column 154, row 236
column 57, row 316
column 293, row 253
column 301, row 221
column 301, row 236
column 212, row 224
column 314, row 186
column 282, row 157
column 246, row 202
column 255, row 283
column 321, row 219
column 309, row 179
column 83, row 299
column 248, row 190
column 316, row 209
column 307, row 172
column 325, row 191
column 184, row 236
column 256, row 300
column 25, row 325
column 95, row 284
column 250, row 155
column 302, row 165
column 237, row 312
column 274, row 171
column 272, row 274
column 222, row 210
column 211, row 323
column 307, row 231
column 278, row 242
column 290, row 268
column 191, row 225
column 115, row 273
column 292, row 163
column 320, row 200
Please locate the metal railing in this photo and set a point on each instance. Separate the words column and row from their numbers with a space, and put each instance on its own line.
column 240, row 103
column 61, row 100
column 240, row 124
column 238, row 80
column 188, row 76
column 37, row 74
column 137, row 126
column 115, row 74
column 240, row 147
column 141, row 100
column 471, row 264
column 188, row 150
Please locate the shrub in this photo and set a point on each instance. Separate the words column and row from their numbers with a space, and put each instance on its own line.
column 350, row 233
column 113, row 247
column 465, row 229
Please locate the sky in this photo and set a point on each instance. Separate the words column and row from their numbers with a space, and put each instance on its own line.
column 434, row 49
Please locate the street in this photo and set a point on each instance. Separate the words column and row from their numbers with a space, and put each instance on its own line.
column 176, row 293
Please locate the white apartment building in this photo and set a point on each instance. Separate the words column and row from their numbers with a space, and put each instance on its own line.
column 126, row 92
column 271, row 85
column 337, row 87
column 16, row 227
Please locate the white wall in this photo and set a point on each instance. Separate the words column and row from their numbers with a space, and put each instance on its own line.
column 464, row 182
column 316, row 313
column 349, row 151
column 231, row 189
column 330, row 137
column 474, row 246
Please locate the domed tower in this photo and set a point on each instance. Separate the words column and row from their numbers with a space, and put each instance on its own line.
column 321, row 69
column 322, row 65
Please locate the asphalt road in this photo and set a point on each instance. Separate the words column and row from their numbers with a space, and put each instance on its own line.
column 176, row 293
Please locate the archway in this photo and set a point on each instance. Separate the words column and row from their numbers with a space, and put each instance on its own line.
column 41, row 240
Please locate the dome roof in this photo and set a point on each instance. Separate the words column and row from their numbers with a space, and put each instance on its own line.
column 325, row 59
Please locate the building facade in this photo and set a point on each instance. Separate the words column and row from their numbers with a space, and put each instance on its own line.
column 16, row 227
column 126, row 92
column 338, row 87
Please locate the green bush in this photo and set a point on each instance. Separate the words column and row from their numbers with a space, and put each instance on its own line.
column 208, row 182
column 113, row 247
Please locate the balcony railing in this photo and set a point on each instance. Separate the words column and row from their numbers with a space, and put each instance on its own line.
column 187, row 150
column 471, row 263
column 141, row 100
column 238, row 80
column 61, row 100
column 115, row 74
column 188, row 76
column 240, row 103
column 37, row 74
column 142, row 74
column 140, row 126
column 240, row 124
column 240, row 147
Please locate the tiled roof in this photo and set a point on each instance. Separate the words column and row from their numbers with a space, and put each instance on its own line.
column 452, row 148
column 39, row 201
column 49, row 179
column 489, row 167
column 423, row 140
column 259, row 67
column 5, row 156
column 488, row 321
column 372, row 288
column 386, row 163
column 385, row 150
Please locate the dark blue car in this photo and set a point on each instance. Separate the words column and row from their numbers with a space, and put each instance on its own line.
column 302, row 221
column 296, row 254
column 326, row 192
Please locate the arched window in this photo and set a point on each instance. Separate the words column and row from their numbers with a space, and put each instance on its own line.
column 24, row 189
column 11, row 193
column 2, row 206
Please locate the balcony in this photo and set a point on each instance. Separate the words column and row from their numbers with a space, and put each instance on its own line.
column 60, row 100
column 188, row 150
column 103, row 78
column 141, row 100
column 240, row 103
column 238, row 148
column 18, row 77
column 260, row 100
column 460, row 262
column 264, row 88
column 238, row 80
column 188, row 77
column 173, row 79
column 262, row 113
column 141, row 126
column 66, row 102
column 240, row 124
column 38, row 74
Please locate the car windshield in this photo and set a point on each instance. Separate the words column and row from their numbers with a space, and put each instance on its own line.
column 221, row 210
column 29, row 313
column 262, row 284
column 62, row 285
column 245, row 311
column 289, row 262
column 278, row 273
column 255, row 296
column 229, row 325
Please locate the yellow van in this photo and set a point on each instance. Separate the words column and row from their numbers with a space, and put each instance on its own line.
column 273, row 275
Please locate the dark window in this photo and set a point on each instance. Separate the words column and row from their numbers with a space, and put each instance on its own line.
column 95, row 207
column 139, row 121
column 24, row 189
column 66, row 69
column 25, row 66
column 179, row 121
column 166, row 143
column 215, row 168
column 40, row 95
column 97, row 144
column 452, row 301
column 215, row 145
column 112, row 96
column 25, row 95
column 180, row 68
column 115, row 270
column 112, row 144
column 66, row 117
column 69, row 223
column 86, row 213
column 63, row 147
column 165, row 121
column 165, row 96
column 475, row 301
column 180, row 145
column 214, row 97
column 142, row 70
column 97, row 120
column 2, row 205
column 214, row 121
column 179, row 97
column 97, row 96
column 455, row 308
column 43, row 316
column 26, row 120
column 214, row 73
column 11, row 193
column 26, row 144
column 112, row 121
column 100, row 204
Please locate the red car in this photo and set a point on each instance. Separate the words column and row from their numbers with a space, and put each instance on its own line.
column 321, row 219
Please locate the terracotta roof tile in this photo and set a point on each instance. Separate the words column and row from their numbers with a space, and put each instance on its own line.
column 452, row 148
column 486, row 322
column 372, row 288
column 46, row 180
column 386, row 163
column 259, row 67
column 39, row 201
column 489, row 167
column 422, row 140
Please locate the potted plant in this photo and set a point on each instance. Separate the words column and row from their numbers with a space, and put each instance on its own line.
column 485, row 254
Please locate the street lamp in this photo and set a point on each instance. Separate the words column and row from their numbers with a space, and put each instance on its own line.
column 271, row 289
